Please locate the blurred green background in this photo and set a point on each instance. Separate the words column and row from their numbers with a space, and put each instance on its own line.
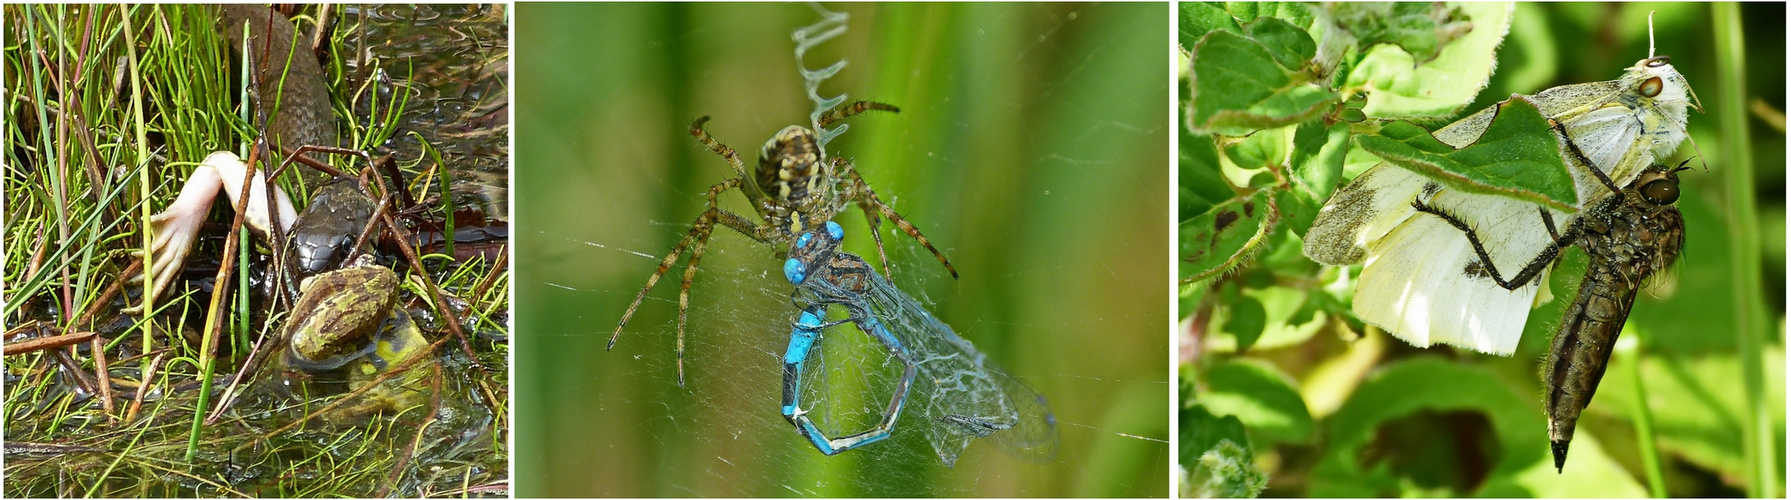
column 1449, row 422
column 1032, row 149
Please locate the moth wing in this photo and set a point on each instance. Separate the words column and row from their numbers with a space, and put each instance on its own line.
column 1361, row 212
column 1613, row 140
column 1421, row 282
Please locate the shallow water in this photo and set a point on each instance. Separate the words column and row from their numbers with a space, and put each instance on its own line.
column 454, row 60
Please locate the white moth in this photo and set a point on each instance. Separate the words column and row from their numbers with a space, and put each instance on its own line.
column 1423, row 281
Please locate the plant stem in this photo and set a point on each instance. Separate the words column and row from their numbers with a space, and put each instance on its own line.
column 1744, row 246
column 1629, row 348
column 144, row 185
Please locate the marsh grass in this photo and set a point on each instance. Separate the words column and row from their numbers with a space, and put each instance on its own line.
column 94, row 145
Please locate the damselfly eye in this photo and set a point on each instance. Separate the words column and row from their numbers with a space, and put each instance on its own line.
column 1661, row 192
column 1650, row 87
column 1658, row 61
column 794, row 271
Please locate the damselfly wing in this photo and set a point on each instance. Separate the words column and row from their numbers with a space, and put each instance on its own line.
column 960, row 392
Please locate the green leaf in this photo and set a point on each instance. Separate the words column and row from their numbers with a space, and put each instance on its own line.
column 1196, row 19
column 1222, row 238
column 1245, row 317
column 1279, row 305
column 1524, row 468
column 1245, row 11
column 1201, row 430
column 1429, row 383
column 1291, row 46
column 1188, row 299
column 1225, row 471
column 1590, row 473
column 1318, row 161
column 1420, row 28
column 1293, row 12
column 1217, row 455
column 1202, row 182
column 1261, row 396
column 1518, row 156
column 1297, row 210
column 1434, row 384
column 1266, row 149
column 1398, row 86
column 1358, row 161
column 1238, row 84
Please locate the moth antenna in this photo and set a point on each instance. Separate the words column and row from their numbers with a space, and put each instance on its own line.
column 1700, row 153
column 1651, row 34
column 1695, row 103
column 1694, row 143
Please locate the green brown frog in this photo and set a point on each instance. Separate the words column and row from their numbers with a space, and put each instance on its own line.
column 347, row 319
column 338, row 313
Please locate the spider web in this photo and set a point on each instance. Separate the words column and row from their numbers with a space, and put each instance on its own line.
column 1058, row 228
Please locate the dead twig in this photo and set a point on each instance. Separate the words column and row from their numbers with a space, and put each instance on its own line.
column 86, row 317
column 105, row 376
column 435, row 292
column 143, row 387
column 51, row 342
column 214, row 313
column 498, row 268
column 73, row 368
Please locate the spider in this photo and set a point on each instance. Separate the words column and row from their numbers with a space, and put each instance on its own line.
column 793, row 189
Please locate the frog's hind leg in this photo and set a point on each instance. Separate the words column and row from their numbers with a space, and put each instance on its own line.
column 178, row 226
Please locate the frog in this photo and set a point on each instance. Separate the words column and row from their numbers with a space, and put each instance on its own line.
column 343, row 319
column 399, row 339
column 348, row 319
column 338, row 313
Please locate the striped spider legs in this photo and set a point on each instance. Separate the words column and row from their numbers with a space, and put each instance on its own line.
column 793, row 189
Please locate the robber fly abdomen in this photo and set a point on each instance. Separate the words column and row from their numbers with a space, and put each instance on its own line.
column 1627, row 238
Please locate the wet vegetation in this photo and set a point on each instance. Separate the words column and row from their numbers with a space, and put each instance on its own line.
column 109, row 110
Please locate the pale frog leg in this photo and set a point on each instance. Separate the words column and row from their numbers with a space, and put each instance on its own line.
column 178, row 226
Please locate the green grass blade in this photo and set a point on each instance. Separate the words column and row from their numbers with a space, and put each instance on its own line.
column 1744, row 245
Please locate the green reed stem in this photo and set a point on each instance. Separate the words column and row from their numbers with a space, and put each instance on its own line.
column 1744, row 246
column 143, row 183
column 1630, row 350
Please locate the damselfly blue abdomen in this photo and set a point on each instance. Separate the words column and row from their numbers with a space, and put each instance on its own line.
column 960, row 394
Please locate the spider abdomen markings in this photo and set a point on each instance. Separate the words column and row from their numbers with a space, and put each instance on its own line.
column 790, row 165
column 791, row 190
